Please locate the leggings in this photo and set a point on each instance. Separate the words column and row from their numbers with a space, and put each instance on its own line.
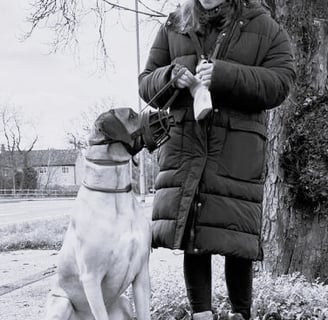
column 198, row 278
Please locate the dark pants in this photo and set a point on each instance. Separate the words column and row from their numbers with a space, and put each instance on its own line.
column 198, row 278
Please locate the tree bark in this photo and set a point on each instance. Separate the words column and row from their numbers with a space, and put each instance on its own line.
column 295, row 241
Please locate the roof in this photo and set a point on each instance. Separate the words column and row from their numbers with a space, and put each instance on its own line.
column 41, row 158
column 53, row 157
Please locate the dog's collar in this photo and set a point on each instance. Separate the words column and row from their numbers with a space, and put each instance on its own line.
column 127, row 189
column 99, row 171
column 107, row 162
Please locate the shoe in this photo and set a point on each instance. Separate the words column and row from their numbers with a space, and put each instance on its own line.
column 235, row 316
column 205, row 315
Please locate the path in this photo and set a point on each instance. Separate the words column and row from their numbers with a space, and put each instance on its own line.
column 27, row 303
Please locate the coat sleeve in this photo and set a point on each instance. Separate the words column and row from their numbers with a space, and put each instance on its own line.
column 157, row 71
column 257, row 87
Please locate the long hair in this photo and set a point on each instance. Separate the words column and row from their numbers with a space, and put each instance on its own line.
column 186, row 17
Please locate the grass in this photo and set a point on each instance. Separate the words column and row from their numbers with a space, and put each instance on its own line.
column 37, row 234
column 289, row 297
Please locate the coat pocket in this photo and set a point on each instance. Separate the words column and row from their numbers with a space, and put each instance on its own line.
column 243, row 152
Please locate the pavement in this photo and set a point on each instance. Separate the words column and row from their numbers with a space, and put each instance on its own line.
column 26, row 275
column 23, row 267
column 26, row 278
column 19, row 268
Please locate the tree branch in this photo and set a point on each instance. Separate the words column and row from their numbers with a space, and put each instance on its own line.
column 158, row 13
column 152, row 15
column 64, row 18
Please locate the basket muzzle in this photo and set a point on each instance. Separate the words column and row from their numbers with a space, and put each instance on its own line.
column 150, row 129
column 155, row 128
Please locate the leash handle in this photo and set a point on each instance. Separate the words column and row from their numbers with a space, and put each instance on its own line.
column 174, row 95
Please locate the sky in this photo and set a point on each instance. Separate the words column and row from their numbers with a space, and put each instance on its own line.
column 54, row 89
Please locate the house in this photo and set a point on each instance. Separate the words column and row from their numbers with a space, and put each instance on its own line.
column 55, row 168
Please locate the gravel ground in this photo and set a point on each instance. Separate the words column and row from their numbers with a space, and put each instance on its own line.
column 28, row 303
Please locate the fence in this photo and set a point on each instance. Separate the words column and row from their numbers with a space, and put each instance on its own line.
column 36, row 193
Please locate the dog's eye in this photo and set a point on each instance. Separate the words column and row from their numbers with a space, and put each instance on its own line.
column 131, row 116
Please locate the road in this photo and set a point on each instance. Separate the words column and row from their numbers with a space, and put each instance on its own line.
column 26, row 210
column 20, row 211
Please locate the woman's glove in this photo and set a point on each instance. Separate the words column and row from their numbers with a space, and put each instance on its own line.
column 204, row 72
column 185, row 80
column 198, row 86
column 199, row 90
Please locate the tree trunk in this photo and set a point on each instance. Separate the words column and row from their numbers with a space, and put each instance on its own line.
column 295, row 241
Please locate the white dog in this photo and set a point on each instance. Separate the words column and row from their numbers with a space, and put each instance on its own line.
column 107, row 244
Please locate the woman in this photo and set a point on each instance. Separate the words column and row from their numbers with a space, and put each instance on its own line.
column 210, row 185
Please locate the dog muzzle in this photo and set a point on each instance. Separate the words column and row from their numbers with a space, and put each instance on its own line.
column 155, row 128
column 152, row 131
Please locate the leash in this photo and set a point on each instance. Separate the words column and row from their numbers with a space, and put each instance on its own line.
column 160, row 92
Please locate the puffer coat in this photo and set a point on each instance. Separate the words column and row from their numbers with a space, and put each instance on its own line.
column 209, row 189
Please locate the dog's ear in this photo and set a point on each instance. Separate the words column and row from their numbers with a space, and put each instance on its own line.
column 112, row 127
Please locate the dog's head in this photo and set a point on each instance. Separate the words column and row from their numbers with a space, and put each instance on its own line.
column 133, row 130
column 118, row 125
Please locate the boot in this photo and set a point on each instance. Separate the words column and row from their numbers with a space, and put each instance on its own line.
column 205, row 315
column 235, row 316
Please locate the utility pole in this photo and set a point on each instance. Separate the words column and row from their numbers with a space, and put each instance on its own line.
column 142, row 184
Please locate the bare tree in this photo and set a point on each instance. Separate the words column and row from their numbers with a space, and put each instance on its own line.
column 19, row 137
column 79, row 131
column 66, row 17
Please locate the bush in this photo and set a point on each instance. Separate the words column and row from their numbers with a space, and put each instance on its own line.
column 305, row 158
column 289, row 297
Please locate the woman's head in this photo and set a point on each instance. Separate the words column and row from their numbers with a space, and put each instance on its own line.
column 187, row 17
column 210, row 4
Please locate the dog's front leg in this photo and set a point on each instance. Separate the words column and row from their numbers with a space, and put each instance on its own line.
column 141, row 290
column 59, row 308
column 93, row 292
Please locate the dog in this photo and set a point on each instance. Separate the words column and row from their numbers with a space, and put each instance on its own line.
column 107, row 243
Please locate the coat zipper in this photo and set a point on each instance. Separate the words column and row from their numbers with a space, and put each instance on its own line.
column 195, row 212
column 219, row 51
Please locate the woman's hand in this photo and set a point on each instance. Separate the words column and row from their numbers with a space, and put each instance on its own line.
column 186, row 80
column 204, row 72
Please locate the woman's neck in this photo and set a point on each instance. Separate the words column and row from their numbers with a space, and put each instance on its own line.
column 218, row 17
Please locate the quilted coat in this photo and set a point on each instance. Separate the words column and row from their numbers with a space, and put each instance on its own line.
column 209, row 189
